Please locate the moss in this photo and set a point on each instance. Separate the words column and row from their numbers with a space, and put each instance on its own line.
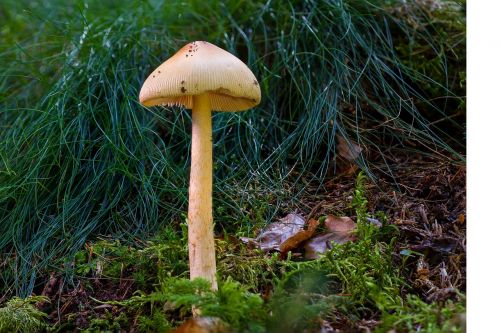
column 175, row 297
column 164, row 255
column 416, row 315
column 21, row 315
column 154, row 322
column 253, row 268
column 108, row 323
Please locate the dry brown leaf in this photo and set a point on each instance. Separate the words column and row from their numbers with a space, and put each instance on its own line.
column 348, row 149
column 341, row 231
column 299, row 238
column 340, row 224
column 288, row 234
column 277, row 233
column 347, row 153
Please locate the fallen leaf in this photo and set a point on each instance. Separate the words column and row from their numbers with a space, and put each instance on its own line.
column 317, row 245
column 341, row 225
column 341, row 231
column 289, row 233
column 348, row 149
column 277, row 233
column 347, row 152
column 299, row 238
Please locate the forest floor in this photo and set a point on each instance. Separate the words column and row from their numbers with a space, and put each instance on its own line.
column 426, row 218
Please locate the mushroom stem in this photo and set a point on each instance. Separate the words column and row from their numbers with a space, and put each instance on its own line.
column 200, row 221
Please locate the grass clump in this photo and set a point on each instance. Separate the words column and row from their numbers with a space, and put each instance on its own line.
column 21, row 315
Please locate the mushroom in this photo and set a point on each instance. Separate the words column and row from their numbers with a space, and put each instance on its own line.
column 204, row 78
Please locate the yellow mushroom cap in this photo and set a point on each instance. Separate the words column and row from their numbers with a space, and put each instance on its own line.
column 197, row 68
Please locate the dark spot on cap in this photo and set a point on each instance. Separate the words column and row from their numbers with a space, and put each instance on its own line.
column 182, row 82
column 183, row 90
column 255, row 82
column 254, row 100
column 187, row 55
column 159, row 72
column 154, row 76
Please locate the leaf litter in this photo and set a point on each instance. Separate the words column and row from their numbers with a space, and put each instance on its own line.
column 288, row 234
column 275, row 234
column 340, row 230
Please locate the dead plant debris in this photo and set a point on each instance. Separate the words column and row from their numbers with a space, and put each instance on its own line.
column 289, row 235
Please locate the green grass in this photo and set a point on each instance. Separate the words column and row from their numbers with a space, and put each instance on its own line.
column 79, row 157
